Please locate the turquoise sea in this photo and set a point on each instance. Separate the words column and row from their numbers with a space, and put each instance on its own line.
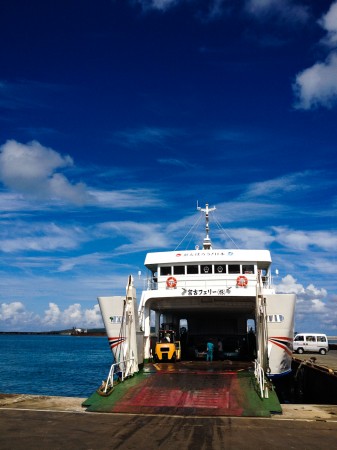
column 68, row 366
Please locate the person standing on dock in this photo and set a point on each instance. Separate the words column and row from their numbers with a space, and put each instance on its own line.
column 210, row 348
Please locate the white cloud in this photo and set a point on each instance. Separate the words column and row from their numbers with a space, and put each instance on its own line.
column 18, row 236
column 11, row 203
column 161, row 5
column 317, row 306
column 15, row 316
column 299, row 240
column 73, row 316
column 8, row 310
column 31, row 170
column 231, row 212
column 321, row 265
column 127, row 198
column 250, row 238
column 21, row 164
column 285, row 10
column 329, row 23
column 312, row 308
column 317, row 85
column 89, row 260
column 205, row 11
column 289, row 10
column 140, row 235
column 93, row 316
column 289, row 285
column 278, row 186
column 52, row 315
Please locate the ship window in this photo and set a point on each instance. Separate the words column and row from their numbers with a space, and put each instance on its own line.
column 192, row 269
column 233, row 268
column 166, row 270
column 206, row 268
column 220, row 269
column 179, row 270
column 247, row 268
column 275, row 318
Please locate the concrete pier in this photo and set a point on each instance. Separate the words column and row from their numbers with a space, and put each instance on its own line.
column 30, row 422
column 326, row 363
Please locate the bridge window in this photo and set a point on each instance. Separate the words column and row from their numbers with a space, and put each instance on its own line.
column 206, row 269
column 233, row 268
column 179, row 270
column 165, row 270
column 220, row 268
column 192, row 269
column 247, row 268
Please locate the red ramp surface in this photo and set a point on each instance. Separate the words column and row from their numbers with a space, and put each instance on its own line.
column 183, row 394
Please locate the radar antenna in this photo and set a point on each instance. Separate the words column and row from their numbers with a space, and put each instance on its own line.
column 207, row 244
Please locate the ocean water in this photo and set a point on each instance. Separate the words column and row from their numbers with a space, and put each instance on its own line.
column 68, row 366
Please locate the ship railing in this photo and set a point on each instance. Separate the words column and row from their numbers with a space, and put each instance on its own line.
column 119, row 369
column 261, row 379
column 150, row 285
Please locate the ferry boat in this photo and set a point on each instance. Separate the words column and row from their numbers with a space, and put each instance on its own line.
column 204, row 294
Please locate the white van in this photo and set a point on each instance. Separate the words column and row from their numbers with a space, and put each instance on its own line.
column 311, row 342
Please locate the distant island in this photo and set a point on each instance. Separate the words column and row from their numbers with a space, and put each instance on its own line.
column 69, row 332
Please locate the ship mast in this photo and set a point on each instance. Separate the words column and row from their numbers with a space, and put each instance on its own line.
column 207, row 244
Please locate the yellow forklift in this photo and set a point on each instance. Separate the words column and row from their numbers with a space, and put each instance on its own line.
column 168, row 348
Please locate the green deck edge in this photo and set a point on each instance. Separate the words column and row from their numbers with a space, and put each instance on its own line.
column 253, row 404
column 98, row 402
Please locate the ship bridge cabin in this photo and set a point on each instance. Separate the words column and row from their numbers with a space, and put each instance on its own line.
column 209, row 269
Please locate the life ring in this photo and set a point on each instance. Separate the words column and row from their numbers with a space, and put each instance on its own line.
column 171, row 282
column 242, row 281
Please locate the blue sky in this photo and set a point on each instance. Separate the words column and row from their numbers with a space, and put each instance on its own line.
column 117, row 116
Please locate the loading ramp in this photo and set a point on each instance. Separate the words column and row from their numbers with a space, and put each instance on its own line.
column 190, row 388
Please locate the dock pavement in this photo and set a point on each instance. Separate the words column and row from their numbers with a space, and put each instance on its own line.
column 325, row 363
column 38, row 422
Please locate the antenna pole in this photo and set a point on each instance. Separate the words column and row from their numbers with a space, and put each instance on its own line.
column 207, row 244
